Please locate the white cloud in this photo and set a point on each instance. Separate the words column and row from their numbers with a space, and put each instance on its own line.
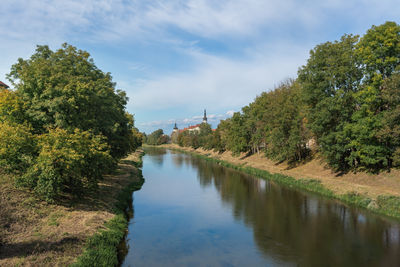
column 230, row 113
column 264, row 28
column 218, row 81
column 140, row 20
column 167, row 125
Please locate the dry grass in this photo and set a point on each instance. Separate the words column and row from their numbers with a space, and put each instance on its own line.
column 371, row 185
column 35, row 233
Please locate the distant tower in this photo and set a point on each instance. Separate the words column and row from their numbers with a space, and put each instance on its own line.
column 205, row 117
column 175, row 128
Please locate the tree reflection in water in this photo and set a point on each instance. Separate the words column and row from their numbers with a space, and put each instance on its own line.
column 294, row 226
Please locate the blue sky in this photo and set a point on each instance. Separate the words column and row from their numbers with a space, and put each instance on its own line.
column 174, row 58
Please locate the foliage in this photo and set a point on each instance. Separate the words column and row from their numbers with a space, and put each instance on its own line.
column 64, row 125
column 389, row 132
column 11, row 107
column 284, row 133
column 344, row 103
column 196, row 138
column 67, row 163
column 17, row 147
column 157, row 138
column 65, row 89
column 238, row 135
column 329, row 80
column 137, row 139
column 379, row 51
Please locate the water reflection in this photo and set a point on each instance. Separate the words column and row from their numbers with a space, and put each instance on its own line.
column 157, row 155
column 288, row 226
column 316, row 231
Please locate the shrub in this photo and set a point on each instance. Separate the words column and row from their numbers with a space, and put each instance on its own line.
column 68, row 163
column 11, row 107
column 17, row 147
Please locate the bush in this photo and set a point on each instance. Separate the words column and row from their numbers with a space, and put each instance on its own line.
column 68, row 163
column 11, row 107
column 17, row 147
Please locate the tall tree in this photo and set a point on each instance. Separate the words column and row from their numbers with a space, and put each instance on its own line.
column 329, row 80
column 287, row 136
column 379, row 51
column 389, row 133
column 65, row 89
column 238, row 135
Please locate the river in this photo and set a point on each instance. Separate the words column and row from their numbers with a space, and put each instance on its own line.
column 193, row 212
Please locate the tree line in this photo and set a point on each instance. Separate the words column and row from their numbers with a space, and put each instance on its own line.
column 345, row 103
column 64, row 125
column 156, row 138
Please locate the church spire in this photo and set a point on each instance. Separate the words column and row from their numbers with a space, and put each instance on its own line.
column 175, row 127
column 205, row 117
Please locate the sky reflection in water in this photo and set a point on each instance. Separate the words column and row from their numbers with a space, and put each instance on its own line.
column 191, row 212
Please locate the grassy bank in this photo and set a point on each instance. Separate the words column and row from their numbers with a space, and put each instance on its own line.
column 387, row 205
column 102, row 248
column 82, row 232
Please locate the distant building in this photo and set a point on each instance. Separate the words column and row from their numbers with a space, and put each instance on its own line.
column 174, row 134
column 3, row 85
column 191, row 128
column 175, row 128
column 205, row 117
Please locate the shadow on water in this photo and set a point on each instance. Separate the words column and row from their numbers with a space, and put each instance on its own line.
column 291, row 226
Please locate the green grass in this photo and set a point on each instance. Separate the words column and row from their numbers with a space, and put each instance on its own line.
column 102, row 248
column 386, row 205
column 53, row 218
column 389, row 205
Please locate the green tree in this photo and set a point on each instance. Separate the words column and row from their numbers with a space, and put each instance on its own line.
column 329, row 80
column 65, row 89
column 389, row 133
column 137, row 138
column 221, row 135
column 205, row 135
column 287, row 135
column 238, row 136
column 156, row 137
column 379, row 51
column 257, row 114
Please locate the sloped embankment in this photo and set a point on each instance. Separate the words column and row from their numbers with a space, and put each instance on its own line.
column 35, row 233
column 379, row 193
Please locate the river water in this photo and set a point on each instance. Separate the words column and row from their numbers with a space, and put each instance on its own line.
column 193, row 212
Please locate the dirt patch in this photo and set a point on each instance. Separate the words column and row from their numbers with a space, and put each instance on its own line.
column 372, row 185
column 35, row 233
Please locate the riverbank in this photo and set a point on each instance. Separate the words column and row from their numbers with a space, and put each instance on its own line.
column 379, row 193
column 85, row 231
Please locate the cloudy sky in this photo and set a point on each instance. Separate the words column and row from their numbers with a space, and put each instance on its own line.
column 174, row 58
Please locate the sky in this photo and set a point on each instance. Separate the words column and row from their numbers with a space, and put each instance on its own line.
column 175, row 58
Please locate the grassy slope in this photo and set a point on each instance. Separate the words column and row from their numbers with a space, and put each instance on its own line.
column 385, row 204
column 36, row 233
